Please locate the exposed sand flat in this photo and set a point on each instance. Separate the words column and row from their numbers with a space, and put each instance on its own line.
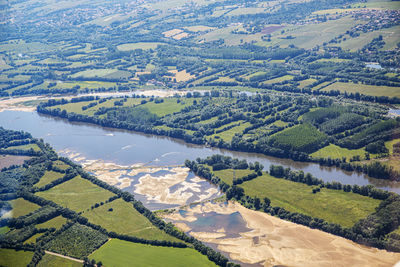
column 16, row 104
column 159, row 188
column 273, row 241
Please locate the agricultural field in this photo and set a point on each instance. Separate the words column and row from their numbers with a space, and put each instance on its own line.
column 76, row 194
column 228, row 175
column 48, row 177
column 122, row 253
column 120, row 217
column 56, row 222
column 134, row 46
column 331, row 205
column 10, row 257
column 364, row 89
column 303, row 137
column 55, row 261
column 77, row 241
column 20, row 207
column 25, row 147
column 336, row 152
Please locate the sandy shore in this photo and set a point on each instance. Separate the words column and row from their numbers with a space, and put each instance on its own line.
column 159, row 188
column 273, row 241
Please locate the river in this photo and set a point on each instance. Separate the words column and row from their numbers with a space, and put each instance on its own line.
column 127, row 147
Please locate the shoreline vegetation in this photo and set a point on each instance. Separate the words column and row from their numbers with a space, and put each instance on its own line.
column 76, row 236
column 377, row 227
column 237, row 122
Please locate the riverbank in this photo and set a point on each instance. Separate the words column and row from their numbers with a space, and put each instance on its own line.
column 271, row 241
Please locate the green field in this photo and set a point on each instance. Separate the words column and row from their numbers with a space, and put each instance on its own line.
column 94, row 73
column 4, row 230
column 229, row 134
column 228, row 174
column 279, row 79
column 20, row 207
column 334, row 206
column 56, row 222
column 119, row 253
column 365, row 89
column 12, row 258
column 133, row 46
column 25, row 147
column 33, row 238
column 55, row 261
column 60, row 164
column 390, row 37
column 77, row 194
column 336, row 152
column 124, row 219
column 48, row 177
column 169, row 106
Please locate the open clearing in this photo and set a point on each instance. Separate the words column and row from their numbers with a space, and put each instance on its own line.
column 56, row 222
column 48, row 177
column 20, row 207
column 365, row 89
column 334, row 206
column 77, row 194
column 119, row 253
column 55, row 261
column 133, row 46
column 13, row 258
column 336, row 152
column 124, row 219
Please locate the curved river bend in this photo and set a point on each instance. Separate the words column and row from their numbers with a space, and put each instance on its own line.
column 127, row 147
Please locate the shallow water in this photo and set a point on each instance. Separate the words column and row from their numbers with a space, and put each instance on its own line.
column 127, row 147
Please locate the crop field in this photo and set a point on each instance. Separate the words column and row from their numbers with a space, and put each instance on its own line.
column 229, row 134
column 55, row 261
column 25, row 147
column 279, row 79
column 10, row 257
column 20, row 207
column 390, row 37
column 94, row 73
column 169, row 106
column 336, row 152
column 133, row 46
column 228, row 37
column 32, row 239
column 119, row 253
column 199, row 28
column 309, row 35
column 121, row 217
column 56, row 222
column 334, row 206
column 60, row 164
column 48, row 177
column 364, row 89
column 227, row 175
column 77, row 194
column 77, row 241
column 4, row 230
column 302, row 137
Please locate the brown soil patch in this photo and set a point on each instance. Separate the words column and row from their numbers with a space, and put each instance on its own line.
column 9, row 160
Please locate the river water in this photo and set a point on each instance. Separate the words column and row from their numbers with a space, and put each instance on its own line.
column 127, row 147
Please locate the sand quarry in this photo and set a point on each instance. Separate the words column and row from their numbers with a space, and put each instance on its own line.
column 272, row 241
